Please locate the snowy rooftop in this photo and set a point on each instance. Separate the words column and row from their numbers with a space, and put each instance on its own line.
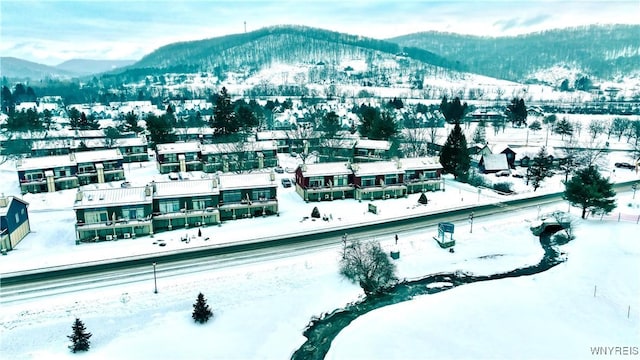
column 420, row 163
column 226, row 148
column 373, row 144
column 98, row 155
column 339, row 143
column 8, row 199
column 246, row 181
column 495, row 162
column 196, row 131
column 377, row 168
column 330, row 168
column 272, row 135
column 172, row 189
column 44, row 162
column 109, row 197
column 135, row 141
column 177, row 148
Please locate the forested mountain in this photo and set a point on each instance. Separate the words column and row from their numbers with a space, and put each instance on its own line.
column 603, row 52
column 19, row 69
column 86, row 66
column 279, row 44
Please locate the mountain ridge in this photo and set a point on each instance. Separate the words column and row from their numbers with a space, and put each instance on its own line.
column 601, row 51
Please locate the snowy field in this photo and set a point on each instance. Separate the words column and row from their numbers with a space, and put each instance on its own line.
column 261, row 308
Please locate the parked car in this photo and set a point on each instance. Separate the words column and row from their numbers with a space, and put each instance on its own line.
column 503, row 173
column 624, row 165
column 286, row 182
column 125, row 184
column 173, row 176
column 279, row 170
column 517, row 174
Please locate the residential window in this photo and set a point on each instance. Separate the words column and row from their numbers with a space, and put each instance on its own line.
column 340, row 180
column 169, row 206
column 260, row 194
column 368, row 181
column 199, row 204
column 391, row 179
column 110, row 165
column 98, row 216
column 316, row 181
column 231, row 196
column 61, row 172
column 430, row 175
column 33, row 176
column 133, row 213
column 411, row 174
column 86, row 168
column 170, row 158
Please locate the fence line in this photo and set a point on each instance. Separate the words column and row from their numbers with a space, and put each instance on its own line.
column 615, row 217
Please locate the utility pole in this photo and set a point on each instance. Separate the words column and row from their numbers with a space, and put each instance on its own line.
column 155, row 283
column 471, row 222
column 245, row 27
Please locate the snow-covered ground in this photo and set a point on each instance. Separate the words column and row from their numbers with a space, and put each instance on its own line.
column 261, row 308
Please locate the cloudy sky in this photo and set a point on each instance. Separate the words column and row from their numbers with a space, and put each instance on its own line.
column 52, row 31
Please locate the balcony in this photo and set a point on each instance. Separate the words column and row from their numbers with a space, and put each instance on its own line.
column 118, row 224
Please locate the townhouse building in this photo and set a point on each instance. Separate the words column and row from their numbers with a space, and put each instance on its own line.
column 14, row 222
column 59, row 172
column 184, row 204
column 125, row 213
column 247, row 195
column 368, row 181
column 109, row 214
column 175, row 157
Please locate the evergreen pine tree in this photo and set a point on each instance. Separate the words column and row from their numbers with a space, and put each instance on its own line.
column 540, row 169
column 517, row 112
column 201, row 311
column 479, row 136
column 454, row 156
column 315, row 213
column 80, row 337
column 453, row 111
column 224, row 115
column 588, row 190
column 423, row 199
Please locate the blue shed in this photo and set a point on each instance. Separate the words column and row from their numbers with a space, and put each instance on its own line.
column 14, row 222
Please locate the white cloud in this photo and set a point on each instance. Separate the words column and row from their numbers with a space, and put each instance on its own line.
column 131, row 29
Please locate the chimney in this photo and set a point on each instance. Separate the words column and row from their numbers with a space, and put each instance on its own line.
column 147, row 190
column 79, row 195
column 4, row 201
column 272, row 176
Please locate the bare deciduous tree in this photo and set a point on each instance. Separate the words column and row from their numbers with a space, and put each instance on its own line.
column 367, row 265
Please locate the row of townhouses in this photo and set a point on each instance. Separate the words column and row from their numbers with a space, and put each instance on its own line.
column 63, row 142
column 368, row 181
column 210, row 158
column 114, row 213
column 59, row 172
column 242, row 156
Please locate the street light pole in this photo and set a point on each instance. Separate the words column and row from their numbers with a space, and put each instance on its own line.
column 471, row 221
column 155, row 283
